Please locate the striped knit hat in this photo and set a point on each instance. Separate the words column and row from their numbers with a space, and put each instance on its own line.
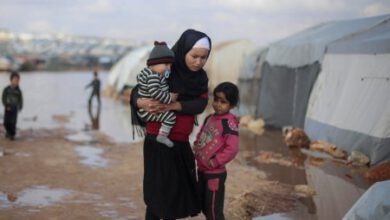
column 160, row 54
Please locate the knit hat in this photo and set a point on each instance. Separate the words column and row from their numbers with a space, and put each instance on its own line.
column 160, row 54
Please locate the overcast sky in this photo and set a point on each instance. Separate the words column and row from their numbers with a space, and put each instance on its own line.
column 261, row 21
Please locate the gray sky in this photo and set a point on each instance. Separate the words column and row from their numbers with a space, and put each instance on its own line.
column 261, row 21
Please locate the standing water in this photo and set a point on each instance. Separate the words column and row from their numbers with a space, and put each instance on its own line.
column 48, row 95
column 337, row 185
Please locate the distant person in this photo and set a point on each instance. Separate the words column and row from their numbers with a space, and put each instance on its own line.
column 13, row 102
column 152, row 82
column 217, row 144
column 95, row 84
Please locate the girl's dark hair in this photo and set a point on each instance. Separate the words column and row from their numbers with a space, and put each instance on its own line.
column 230, row 90
column 14, row 74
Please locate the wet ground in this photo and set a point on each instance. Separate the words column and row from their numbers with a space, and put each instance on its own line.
column 67, row 163
column 337, row 186
column 60, row 99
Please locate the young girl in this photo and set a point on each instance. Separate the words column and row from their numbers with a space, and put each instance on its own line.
column 217, row 144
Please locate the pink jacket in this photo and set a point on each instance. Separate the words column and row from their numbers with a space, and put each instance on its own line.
column 217, row 143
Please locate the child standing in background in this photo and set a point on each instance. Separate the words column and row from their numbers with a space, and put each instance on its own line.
column 216, row 144
column 13, row 102
column 95, row 84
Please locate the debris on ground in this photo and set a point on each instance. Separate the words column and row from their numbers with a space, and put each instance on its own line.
column 278, row 198
column 316, row 161
column 286, row 129
column 244, row 120
column 296, row 137
column 328, row 148
column 304, row 191
column 61, row 118
column 11, row 197
column 379, row 172
column 255, row 126
column 358, row 158
column 271, row 157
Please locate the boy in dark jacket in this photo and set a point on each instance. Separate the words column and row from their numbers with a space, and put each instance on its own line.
column 13, row 102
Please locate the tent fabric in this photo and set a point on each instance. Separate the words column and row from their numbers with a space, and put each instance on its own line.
column 352, row 94
column 332, row 79
column 374, row 41
column 359, row 82
column 250, row 67
column 308, row 46
column 124, row 72
column 285, row 92
column 377, row 149
column 225, row 61
column 356, row 71
column 292, row 65
column 249, row 81
column 373, row 204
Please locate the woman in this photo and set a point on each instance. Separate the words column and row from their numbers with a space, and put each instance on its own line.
column 170, row 189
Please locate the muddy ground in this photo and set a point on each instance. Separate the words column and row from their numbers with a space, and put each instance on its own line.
column 59, row 168
column 45, row 175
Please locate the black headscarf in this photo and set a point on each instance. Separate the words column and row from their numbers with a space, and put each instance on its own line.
column 187, row 83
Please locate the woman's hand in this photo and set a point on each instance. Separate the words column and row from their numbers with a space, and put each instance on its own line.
column 150, row 105
column 173, row 106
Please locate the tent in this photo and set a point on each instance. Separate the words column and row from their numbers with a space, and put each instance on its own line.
column 249, row 81
column 292, row 65
column 350, row 102
column 374, row 203
column 123, row 74
column 225, row 61
column 222, row 65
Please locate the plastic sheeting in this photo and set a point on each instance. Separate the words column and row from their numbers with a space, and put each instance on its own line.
column 373, row 204
column 285, row 92
column 249, row 82
column 308, row 46
column 352, row 96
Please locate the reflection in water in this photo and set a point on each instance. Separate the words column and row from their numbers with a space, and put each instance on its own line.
column 94, row 117
column 284, row 164
column 337, row 185
column 63, row 93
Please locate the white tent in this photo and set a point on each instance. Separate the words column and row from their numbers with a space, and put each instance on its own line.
column 124, row 72
column 374, row 203
column 350, row 102
column 292, row 65
column 225, row 61
column 309, row 46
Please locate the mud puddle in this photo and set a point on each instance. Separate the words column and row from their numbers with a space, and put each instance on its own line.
column 269, row 154
column 37, row 196
column 91, row 156
column 336, row 185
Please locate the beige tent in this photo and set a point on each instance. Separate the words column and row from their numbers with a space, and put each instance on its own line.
column 123, row 74
column 225, row 61
column 223, row 64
